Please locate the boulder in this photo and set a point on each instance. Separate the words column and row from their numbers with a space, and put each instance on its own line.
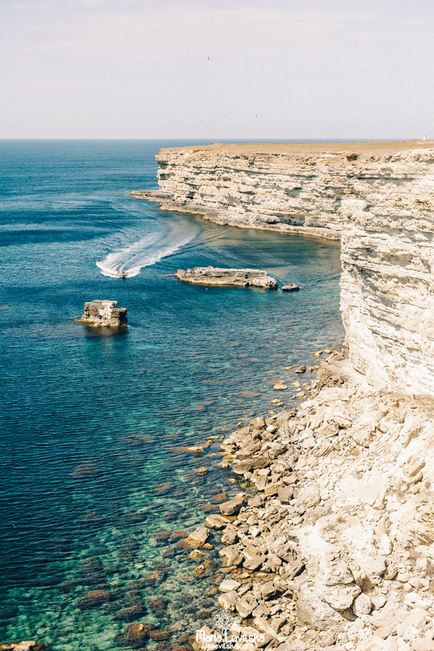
column 131, row 613
column 231, row 555
column 228, row 600
column 307, row 498
column 104, row 313
column 232, row 507
column 228, row 585
column 135, row 635
column 285, row 494
column 216, row 522
column 254, row 557
column 196, row 539
column 227, row 277
column 93, row 599
column 314, row 612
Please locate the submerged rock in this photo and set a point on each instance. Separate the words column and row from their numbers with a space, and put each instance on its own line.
column 227, row 277
column 93, row 599
column 104, row 313
column 135, row 635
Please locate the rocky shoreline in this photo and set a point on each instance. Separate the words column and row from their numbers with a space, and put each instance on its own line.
column 333, row 551
column 328, row 544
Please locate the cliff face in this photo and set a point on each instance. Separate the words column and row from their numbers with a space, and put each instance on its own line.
column 285, row 187
column 377, row 197
column 387, row 287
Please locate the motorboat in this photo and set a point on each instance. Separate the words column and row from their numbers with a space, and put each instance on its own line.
column 121, row 273
column 291, row 287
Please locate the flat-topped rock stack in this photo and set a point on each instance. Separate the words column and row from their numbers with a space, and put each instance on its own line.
column 227, row 277
column 104, row 313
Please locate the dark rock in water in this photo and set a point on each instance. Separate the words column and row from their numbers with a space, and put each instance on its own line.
column 155, row 577
column 131, row 613
column 164, row 488
column 206, row 568
column 85, row 470
column 93, row 599
column 92, row 570
column 91, row 517
column 104, row 313
column 158, row 605
column 227, row 277
column 162, row 535
column 134, row 517
column 205, row 614
column 178, row 535
column 160, row 635
column 163, row 646
column 69, row 585
column 8, row 612
column 184, row 647
column 135, row 635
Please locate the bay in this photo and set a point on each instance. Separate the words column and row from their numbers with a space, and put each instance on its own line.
column 93, row 421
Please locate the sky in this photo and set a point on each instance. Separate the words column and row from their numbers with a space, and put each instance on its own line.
column 219, row 70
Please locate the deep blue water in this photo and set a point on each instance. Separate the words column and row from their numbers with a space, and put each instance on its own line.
column 92, row 421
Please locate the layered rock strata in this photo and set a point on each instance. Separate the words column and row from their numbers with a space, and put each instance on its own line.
column 335, row 548
column 288, row 187
column 104, row 313
column 227, row 277
column 387, row 288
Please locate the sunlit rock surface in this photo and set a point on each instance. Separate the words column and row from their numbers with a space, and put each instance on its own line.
column 104, row 313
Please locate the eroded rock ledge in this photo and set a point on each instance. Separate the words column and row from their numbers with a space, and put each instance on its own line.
column 335, row 550
column 104, row 313
column 227, row 277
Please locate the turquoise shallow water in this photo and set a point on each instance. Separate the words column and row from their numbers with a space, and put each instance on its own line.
column 92, row 420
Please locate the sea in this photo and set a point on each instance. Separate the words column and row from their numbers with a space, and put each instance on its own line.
column 97, row 490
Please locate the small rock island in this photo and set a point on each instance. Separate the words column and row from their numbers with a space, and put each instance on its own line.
column 227, row 277
column 104, row 313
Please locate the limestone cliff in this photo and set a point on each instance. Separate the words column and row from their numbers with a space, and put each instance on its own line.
column 379, row 197
column 288, row 187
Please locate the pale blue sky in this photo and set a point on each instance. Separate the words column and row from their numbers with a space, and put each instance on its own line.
column 219, row 70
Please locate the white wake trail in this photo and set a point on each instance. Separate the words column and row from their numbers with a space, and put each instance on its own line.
column 128, row 262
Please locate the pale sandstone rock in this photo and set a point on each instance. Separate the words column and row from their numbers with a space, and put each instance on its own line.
column 228, row 600
column 216, row 522
column 228, row 585
column 231, row 555
column 200, row 536
column 362, row 605
column 227, row 277
column 315, row 612
column 307, row 498
column 104, row 313
column 232, row 507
